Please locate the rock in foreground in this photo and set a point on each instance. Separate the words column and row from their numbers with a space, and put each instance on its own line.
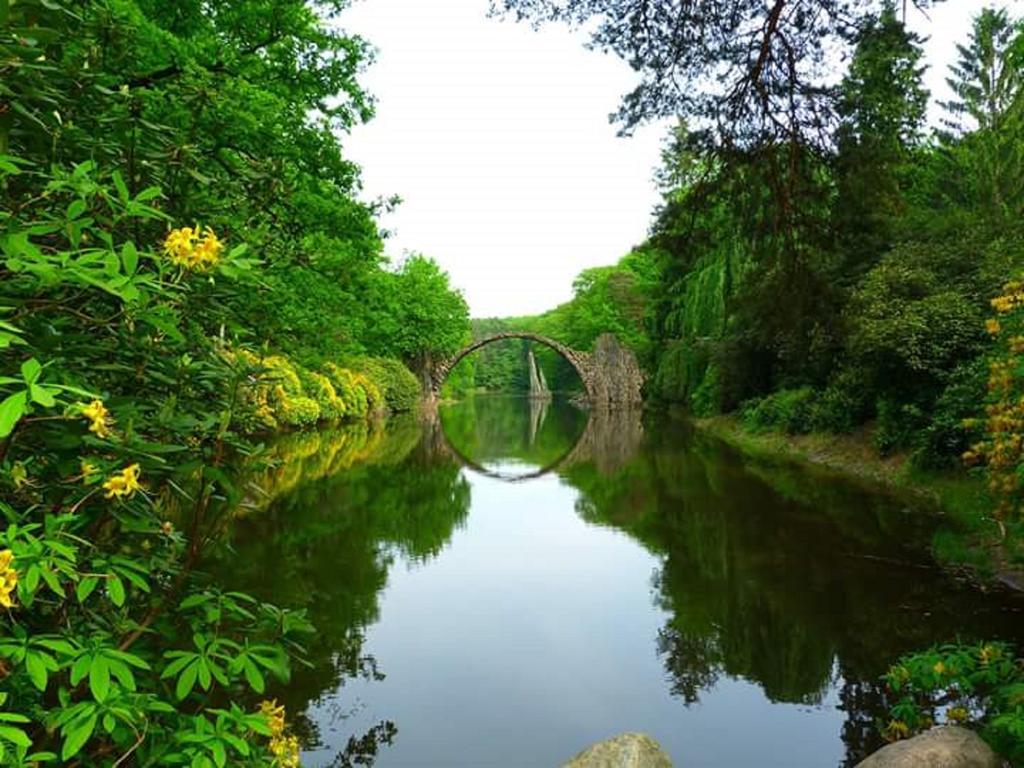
column 947, row 746
column 629, row 750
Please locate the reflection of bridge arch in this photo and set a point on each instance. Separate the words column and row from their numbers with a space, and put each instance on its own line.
column 608, row 440
column 580, row 361
column 480, row 469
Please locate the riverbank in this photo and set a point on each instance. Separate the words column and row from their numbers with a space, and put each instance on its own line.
column 968, row 541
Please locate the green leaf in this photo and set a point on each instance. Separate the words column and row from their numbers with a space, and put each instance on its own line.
column 77, row 736
column 80, row 668
column 123, row 674
column 30, row 370
column 122, row 188
column 99, row 678
column 253, row 676
column 15, row 736
column 76, row 209
column 85, row 588
column 42, row 395
column 11, row 411
column 187, row 680
column 204, row 674
column 115, row 587
column 129, row 257
column 52, row 581
column 36, row 669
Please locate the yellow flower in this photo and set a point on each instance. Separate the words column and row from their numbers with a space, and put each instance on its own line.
column 8, row 578
column 209, row 249
column 88, row 469
column 98, row 414
column 19, row 475
column 896, row 729
column 957, row 715
column 286, row 751
column 274, row 714
column 193, row 248
column 124, row 484
column 939, row 668
column 167, row 527
column 992, row 326
column 989, row 653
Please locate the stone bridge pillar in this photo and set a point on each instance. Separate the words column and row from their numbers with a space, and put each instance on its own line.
column 615, row 376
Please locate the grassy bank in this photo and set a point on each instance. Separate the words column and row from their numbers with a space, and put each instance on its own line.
column 967, row 539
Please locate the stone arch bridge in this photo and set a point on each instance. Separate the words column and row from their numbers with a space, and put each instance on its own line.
column 610, row 374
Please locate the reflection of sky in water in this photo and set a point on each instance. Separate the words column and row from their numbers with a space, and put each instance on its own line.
column 532, row 636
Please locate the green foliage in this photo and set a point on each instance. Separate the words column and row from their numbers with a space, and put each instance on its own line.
column 789, row 410
column 979, row 685
column 398, row 386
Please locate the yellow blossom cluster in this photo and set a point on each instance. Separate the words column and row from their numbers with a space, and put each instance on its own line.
column 99, row 418
column 957, row 715
column 124, row 484
column 283, row 747
column 896, row 730
column 193, row 247
column 989, row 653
column 8, row 578
column 1001, row 449
column 1011, row 298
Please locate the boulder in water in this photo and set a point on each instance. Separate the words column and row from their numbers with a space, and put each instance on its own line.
column 948, row 746
column 629, row 750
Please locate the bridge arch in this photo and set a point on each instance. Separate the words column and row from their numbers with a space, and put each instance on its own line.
column 580, row 361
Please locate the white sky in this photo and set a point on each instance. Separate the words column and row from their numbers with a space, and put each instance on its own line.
column 497, row 139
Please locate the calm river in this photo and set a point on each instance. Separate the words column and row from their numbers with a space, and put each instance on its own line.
column 512, row 584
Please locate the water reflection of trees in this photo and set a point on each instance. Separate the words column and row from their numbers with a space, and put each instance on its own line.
column 791, row 581
column 339, row 506
column 787, row 579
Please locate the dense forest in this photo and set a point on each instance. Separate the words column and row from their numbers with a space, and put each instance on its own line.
column 820, row 283
column 185, row 264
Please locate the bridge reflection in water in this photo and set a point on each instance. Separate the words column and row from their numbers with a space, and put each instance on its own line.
column 609, row 438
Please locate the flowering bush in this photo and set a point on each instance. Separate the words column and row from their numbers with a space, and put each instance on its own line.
column 977, row 685
column 116, row 418
column 1001, row 447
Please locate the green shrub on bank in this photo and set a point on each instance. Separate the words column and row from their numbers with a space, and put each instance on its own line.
column 789, row 410
column 280, row 393
column 398, row 386
column 898, row 425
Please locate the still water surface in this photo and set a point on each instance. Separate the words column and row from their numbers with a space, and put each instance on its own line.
column 518, row 580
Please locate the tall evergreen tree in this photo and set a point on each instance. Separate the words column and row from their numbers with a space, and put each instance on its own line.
column 986, row 117
column 882, row 108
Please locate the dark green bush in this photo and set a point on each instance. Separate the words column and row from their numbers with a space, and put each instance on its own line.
column 843, row 404
column 899, row 425
column 789, row 410
column 945, row 439
column 398, row 385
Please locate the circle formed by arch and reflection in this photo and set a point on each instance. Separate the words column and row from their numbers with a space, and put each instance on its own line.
column 542, row 434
